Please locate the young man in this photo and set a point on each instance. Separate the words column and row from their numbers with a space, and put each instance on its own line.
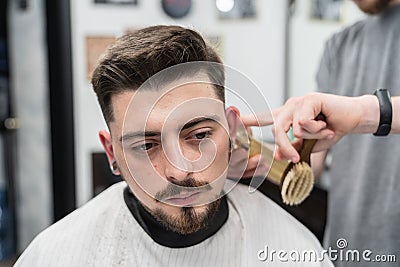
column 162, row 96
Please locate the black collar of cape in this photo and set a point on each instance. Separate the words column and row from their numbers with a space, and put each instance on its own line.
column 166, row 237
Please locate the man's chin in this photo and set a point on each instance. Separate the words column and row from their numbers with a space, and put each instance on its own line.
column 187, row 220
column 374, row 7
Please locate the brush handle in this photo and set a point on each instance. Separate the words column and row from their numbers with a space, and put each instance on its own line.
column 306, row 149
column 308, row 144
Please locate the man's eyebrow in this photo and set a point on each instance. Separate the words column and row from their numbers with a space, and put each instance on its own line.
column 200, row 120
column 188, row 125
column 138, row 134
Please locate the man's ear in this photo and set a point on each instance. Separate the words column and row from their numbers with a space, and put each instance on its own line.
column 233, row 118
column 105, row 139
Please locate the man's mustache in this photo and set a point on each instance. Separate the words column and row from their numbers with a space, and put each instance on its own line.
column 186, row 186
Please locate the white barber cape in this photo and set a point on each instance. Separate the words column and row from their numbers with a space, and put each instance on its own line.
column 104, row 233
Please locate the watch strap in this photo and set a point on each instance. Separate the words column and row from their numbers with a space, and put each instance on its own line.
column 385, row 109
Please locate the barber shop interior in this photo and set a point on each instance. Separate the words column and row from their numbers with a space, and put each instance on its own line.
column 161, row 133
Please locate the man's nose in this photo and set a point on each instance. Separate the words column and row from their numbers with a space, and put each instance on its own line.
column 177, row 167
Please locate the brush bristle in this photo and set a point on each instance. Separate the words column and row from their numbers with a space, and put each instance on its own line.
column 297, row 184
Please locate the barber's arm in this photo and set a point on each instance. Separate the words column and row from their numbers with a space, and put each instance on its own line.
column 344, row 115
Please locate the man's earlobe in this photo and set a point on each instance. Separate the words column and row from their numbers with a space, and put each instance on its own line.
column 114, row 168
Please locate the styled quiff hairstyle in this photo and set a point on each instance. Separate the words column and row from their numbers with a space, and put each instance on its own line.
column 137, row 56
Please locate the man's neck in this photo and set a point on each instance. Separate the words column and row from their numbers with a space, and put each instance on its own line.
column 394, row 3
column 168, row 238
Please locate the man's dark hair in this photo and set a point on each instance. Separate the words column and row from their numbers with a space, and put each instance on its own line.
column 137, row 56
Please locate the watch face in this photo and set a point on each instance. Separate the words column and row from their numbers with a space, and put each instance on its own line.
column 176, row 8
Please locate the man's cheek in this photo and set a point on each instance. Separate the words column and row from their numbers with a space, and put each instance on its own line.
column 223, row 153
column 147, row 176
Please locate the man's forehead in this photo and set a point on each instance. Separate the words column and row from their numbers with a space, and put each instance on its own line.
column 177, row 106
column 152, row 100
column 175, row 95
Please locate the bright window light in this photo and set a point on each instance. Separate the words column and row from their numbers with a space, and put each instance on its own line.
column 225, row 5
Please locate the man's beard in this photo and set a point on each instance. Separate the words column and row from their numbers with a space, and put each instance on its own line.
column 375, row 7
column 188, row 220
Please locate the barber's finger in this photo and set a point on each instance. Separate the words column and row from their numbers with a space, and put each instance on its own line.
column 282, row 124
column 279, row 155
column 311, row 126
column 284, row 146
column 253, row 162
column 259, row 119
column 249, row 173
column 304, row 118
column 323, row 134
column 256, row 167
column 325, row 144
column 262, row 170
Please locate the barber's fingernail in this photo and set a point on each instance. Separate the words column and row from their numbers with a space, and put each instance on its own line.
column 294, row 159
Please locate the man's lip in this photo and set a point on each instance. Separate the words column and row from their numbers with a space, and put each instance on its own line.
column 183, row 199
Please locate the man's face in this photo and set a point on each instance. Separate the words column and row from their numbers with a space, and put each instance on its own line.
column 172, row 149
column 373, row 6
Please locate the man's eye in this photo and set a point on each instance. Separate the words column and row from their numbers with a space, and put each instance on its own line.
column 201, row 135
column 144, row 147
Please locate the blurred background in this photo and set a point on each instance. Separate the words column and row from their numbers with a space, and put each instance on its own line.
column 50, row 158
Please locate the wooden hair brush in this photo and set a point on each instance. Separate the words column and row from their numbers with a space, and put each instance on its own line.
column 296, row 180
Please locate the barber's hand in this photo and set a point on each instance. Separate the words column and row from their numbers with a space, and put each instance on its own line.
column 343, row 116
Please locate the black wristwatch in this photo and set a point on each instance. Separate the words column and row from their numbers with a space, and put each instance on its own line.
column 385, row 108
